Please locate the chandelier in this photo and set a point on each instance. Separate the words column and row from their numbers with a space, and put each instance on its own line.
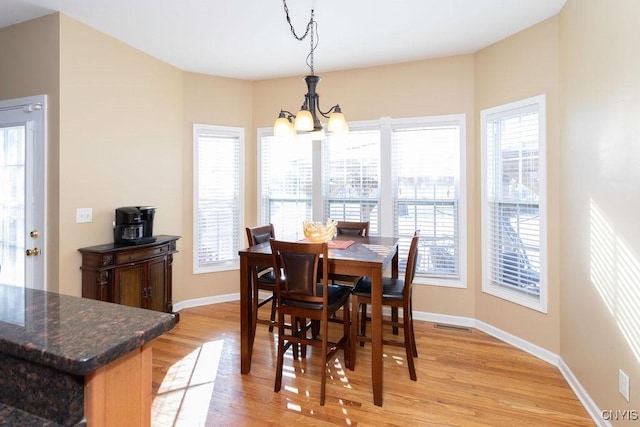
column 308, row 118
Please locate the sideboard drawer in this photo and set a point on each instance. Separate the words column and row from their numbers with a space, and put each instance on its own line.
column 140, row 254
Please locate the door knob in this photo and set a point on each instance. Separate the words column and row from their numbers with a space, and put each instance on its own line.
column 34, row 234
column 33, row 252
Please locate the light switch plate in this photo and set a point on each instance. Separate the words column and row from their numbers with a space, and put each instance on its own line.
column 84, row 215
column 623, row 384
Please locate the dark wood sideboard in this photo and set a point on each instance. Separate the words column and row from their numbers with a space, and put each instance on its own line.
column 133, row 275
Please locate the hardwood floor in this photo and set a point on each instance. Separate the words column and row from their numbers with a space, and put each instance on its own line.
column 464, row 379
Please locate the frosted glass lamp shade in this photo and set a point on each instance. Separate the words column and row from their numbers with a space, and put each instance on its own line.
column 304, row 121
column 282, row 127
column 337, row 124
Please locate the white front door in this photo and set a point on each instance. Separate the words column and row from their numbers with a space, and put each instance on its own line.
column 22, row 195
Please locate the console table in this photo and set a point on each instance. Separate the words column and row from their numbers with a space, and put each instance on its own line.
column 133, row 275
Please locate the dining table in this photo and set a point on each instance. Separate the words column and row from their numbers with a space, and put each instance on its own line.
column 348, row 255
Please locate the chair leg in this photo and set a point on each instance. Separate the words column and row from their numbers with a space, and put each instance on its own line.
column 408, row 342
column 302, row 327
column 346, row 331
column 294, row 331
column 273, row 312
column 394, row 318
column 323, row 382
column 353, row 337
column 281, row 350
column 363, row 322
column 414, row 348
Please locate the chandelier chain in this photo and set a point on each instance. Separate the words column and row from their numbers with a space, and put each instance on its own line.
column 311, row 28
column 310, row 57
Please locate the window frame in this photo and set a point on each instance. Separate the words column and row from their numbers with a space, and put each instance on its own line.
column 225, row 132
column 501, row 291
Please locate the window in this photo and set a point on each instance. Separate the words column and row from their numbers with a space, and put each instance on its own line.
column 218, row 196
column 427, row 194
column 285, row 184
column 398, row 174
column 351, row 173
column 513, row 202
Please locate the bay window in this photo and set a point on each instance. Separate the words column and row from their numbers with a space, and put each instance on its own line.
column 398, row 174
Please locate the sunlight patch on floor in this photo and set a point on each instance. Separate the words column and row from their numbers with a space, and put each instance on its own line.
column 185, row 393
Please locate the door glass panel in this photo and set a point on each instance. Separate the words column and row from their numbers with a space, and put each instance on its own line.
column 12, row 205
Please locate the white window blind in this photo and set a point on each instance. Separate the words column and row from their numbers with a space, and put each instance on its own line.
column 217, row 196
column 351, row 176
column 513, row 202
column 426, row 180
column 286, row 184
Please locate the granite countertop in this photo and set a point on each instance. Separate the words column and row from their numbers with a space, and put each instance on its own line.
column 72, row 334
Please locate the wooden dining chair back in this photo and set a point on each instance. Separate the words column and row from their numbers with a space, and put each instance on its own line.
column 349, row 228
column 353, row 228
column 263, row 276
column 396, row 293
column 300, row 296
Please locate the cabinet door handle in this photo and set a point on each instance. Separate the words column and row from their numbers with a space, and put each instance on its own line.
column 149, row 292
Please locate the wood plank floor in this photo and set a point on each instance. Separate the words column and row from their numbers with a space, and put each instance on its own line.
column 464, row 379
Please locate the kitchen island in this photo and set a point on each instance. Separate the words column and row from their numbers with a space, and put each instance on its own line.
column 75, row 361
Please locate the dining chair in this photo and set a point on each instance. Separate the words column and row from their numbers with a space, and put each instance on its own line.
column 350, row 228
column 396, row 293
column 353, row 228
column 263, row 276
column 300, row 296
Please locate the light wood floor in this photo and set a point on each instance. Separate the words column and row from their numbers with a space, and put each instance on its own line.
column 464, row 379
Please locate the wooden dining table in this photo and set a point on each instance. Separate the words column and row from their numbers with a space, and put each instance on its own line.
column 366, row 256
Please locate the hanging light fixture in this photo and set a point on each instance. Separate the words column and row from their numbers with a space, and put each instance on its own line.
column 307, row 120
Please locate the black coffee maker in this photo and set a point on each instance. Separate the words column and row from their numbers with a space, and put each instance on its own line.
column 134, row 225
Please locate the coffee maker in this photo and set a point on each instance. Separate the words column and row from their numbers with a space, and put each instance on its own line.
column 134, row 225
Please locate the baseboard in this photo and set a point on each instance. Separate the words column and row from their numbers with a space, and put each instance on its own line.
column 444, row 318
column 589, row 405
column 530, row 348
column 518, row 342
column 206, row 301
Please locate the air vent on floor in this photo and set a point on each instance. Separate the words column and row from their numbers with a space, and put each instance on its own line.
column 451, row 327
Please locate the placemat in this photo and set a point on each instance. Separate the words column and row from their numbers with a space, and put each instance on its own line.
column 339, row 244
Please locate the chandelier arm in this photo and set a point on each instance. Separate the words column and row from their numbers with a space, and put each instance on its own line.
column 289, row 114
column 328, row 112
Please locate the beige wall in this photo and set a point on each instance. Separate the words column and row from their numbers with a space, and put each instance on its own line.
column 30, row 66
column 599, row 228
column 121, row 141
column 519, row 67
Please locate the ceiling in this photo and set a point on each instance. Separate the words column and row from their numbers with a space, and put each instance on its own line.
column 251, row 39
